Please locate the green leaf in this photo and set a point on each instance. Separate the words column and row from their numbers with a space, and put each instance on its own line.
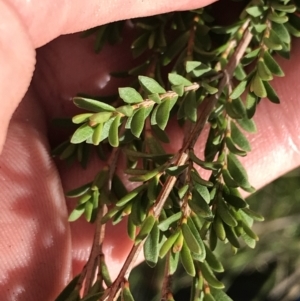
column 257, row 86
column 167, row 245
column 203, row 191
column 255, row 11
column 136, row 154
column 160, row 134
column 176, row 170
column 140, row 44
column 130, row 95
column 131, row 228
column 175, row 48
column 151, row 249
column 196, row 178
column 111, row 213
column 182, row 191
column 208, row 297
column 292, row 30
column 173, row 262
column 190, row 106
column 200, row 70
column 247, row 125
column 250, row 242
column 68, row 290
column 236, row 108
column 259, row 27
column 218, row 226
column 132, row 194
column 204, row 164
column 240, row 73
column 77, row 192
column 229, row 181
column 150, row 85
column 283, row 7
column 224, row 213
column 68, row 152
column 276, row 18
column 285, row 51
column 210, row 89
column 165, row 224
column 249, row 231
column 88, row 210
column 271, row 93
column 251, row 102
column 83, row 133
column 113, row 135
column 92, row 105
column 271, row 44
column 199, row 205
column 202, row 254
column 147, row 176
column 187, row 260
column 104, row 271
column 213, row 239
column 294, row 20
column 105, row 129
column 190, row 239
column 239, row 90
column 282, row 32
column 254, row 215
column 176, row 79
column 250, row 57
column 126, row 294
column 96, row 138
column 138, row 121
column 237, row 171
column 235, row 201
column 209, row 276
column 263, row 71
column 231, row 236
column 155, row 97
column 81, row 118
column 178, row 89
column 76, row 213
column 232, row 148
column 100, row 117
column 272, row 64
column 219, row 295
column 191, row 65
column 178, row 243
column 163, row 113
column 213, row 261
column 239, row 138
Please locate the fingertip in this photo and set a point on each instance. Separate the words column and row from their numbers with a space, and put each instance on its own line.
column 17, row 57
column 81, row 16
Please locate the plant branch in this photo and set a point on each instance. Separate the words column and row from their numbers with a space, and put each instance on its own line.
column 209, row 103
column 181, row 159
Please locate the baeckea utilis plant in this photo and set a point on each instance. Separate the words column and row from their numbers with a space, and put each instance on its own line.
column 180, row 205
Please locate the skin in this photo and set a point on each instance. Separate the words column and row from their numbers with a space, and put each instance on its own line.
column 40, row 251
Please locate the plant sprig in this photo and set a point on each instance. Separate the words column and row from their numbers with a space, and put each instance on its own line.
column 219, row 75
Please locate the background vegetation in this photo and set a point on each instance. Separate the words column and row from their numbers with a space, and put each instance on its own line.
column 270, row 272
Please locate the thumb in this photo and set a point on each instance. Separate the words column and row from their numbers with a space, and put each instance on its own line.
column 17, row 57
column 22, row 28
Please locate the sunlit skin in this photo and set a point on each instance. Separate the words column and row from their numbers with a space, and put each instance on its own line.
column 40, row 251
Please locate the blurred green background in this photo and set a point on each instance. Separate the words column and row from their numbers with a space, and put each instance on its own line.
column 270, row 272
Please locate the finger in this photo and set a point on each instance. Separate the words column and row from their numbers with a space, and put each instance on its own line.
column 35, row 241
column 17, row 59
column 72, row 16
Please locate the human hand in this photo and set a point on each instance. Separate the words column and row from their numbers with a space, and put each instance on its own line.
column 37, row 254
